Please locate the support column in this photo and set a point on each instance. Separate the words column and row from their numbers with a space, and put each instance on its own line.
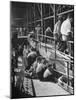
column 54, row 24
column 36, row 35
column 34, row 14
column 27, row 20
column 42, row 19
column 68, row 64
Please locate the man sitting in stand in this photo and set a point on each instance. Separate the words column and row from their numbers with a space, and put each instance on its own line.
column 49, row 73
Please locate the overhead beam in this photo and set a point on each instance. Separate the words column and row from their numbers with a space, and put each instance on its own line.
column 43, row 19
column 65, row 12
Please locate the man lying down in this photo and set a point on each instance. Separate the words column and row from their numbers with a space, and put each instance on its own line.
column 42, row 70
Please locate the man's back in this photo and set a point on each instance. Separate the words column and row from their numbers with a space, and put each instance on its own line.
column 66, row 27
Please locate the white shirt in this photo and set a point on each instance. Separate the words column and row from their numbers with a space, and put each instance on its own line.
column 57, row 27
column 66, row 27
column 37, row 29
column 35, row 65
column 39, row 68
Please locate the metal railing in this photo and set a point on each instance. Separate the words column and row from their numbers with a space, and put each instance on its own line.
column 65, row 57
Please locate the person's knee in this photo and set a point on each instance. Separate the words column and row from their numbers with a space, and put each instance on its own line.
column 47, row 73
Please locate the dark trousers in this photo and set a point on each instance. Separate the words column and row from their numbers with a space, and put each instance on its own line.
column 63, row 46
column 40, row 74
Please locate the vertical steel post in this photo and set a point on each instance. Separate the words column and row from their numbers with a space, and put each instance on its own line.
column 54, row 24
column 27, row 20
column 49, row 10
column 34, row 22
column 45, row 38
column 34, row 12
column 68, row 75
column 42, row 19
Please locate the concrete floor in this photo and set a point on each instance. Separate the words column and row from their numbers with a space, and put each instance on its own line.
column 48, row 89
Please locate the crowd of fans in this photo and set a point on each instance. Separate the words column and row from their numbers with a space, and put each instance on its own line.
column 33, row 64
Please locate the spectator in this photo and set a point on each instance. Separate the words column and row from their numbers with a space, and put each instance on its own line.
column 38, row 30
column 48, row 32
column 32, row 70
column 49, row 73
column 40, row 68
column 25, row 61
column 57, row 27
column 66, row 32
column 20, row 31
column 31, row 58
column 31, row 35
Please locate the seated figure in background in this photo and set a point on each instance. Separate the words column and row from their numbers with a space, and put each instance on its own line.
column 37, row 31
column 41, row 66
column 25, row 53
column 31, row 57
column 48, row 32
column 32, row 70
column 31, row 35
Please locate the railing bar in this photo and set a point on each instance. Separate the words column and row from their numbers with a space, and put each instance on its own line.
column 66, row 12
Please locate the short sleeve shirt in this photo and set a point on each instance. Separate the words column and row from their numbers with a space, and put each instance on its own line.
column 40, row 67
column 66, row 27
column 57, row 27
